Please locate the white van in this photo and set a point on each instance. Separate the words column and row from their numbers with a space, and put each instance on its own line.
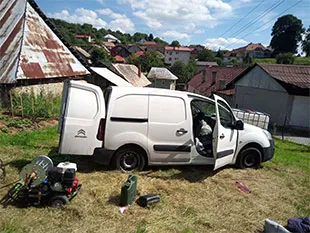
column 132, row 127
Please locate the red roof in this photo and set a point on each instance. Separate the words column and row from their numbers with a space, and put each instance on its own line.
column 206, row 87
column 149, row 43
column 183, row 49
column 292, row 74
column 139, row 53
column 82, row 35
column 119, row 58
column 242, row 50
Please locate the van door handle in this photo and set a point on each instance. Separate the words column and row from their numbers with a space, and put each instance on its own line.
column 181, row 131
column 222, row 136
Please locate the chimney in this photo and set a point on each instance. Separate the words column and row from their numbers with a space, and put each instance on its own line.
column 213, row 76
column 221, row 84
column 204, row 75
column 139, row 71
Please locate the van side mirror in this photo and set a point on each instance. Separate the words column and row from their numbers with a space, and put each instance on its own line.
column 239, row 125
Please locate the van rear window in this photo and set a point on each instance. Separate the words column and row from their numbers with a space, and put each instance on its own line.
column 83, row 104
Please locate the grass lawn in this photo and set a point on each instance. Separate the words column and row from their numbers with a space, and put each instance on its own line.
column 297, row 61
column 193, row 199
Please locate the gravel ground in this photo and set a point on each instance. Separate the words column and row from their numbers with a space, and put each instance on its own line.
column 296, row 139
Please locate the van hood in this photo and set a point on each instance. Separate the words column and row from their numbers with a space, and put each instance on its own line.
column 252, row 128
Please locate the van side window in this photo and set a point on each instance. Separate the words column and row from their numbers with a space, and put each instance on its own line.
column 166, row 109
column 83, row 104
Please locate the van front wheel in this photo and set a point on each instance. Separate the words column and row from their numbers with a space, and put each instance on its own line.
column 250, row 157
column 129, row 159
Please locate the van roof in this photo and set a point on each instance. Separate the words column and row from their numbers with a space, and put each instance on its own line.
column 150, row 90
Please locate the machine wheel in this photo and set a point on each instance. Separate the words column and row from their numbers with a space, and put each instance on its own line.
column 129, row 158
column 250, row 157
column 59, row 201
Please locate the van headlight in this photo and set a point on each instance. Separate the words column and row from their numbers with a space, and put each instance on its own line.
column 268, row 135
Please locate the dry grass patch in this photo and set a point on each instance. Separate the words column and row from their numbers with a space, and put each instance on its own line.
column 193, row 199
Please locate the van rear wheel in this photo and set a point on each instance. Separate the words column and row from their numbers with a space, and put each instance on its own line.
column 250, row 157
column 129, row 159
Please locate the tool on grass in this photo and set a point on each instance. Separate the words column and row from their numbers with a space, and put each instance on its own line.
column 44, row 184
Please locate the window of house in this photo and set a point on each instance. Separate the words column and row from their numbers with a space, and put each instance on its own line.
column 169, row 59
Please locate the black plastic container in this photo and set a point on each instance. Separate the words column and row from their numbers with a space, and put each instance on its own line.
column 148, row 199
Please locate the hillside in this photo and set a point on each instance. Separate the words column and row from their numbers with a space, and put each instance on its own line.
column 69, row 30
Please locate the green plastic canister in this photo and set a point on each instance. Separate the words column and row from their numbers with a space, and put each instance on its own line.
column 129, row 191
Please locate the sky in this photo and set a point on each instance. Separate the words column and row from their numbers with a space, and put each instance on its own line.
column 216, row 24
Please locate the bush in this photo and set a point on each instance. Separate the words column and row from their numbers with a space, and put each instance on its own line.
column 285, row 58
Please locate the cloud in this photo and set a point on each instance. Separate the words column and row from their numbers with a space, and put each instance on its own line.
column 100, row 1
column 222, row 43
column 175, row 35
column 120, row 22
column 81, row 15
column 177, row 14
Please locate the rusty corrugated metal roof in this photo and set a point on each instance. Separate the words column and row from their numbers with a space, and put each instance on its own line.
column 29, row 49
column 131, row 74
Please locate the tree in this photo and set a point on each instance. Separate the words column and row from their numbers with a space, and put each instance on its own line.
column 151, row 37
column 206, row 55
column 192, row 68
column 248, row 59
column 184, row 71
column 175, row 43
column 98, row 56
column 220, row 53
column 179, row 69
column 285, row 58
column 306, row 43
column 147, row 61
column 286, row 34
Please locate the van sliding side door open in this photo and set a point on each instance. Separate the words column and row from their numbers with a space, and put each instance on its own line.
column 224, row 136
column 82, row 108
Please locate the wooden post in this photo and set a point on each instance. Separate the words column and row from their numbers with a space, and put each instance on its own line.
column 53, row 115
column 32, row 104
column 11, row 101
column 21, row 104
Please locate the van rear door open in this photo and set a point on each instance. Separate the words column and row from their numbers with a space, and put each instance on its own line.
column 83, row 107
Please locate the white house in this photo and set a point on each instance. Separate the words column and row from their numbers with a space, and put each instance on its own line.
column 111, row 38
column 173, row 54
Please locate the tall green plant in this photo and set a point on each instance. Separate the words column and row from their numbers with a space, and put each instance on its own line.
column 43, row 105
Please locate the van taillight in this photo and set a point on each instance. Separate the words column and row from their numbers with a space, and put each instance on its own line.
column 101, row 130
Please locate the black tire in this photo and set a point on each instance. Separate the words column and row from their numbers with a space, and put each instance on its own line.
column 59, row 201
column 129, row 158
column 250, row 157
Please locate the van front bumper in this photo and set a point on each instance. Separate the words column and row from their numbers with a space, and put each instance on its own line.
column 103, row 156
column 269, row 151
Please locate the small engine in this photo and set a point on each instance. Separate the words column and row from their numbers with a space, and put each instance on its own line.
column 45, row 184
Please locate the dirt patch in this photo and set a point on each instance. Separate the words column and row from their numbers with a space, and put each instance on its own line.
column 13, row 125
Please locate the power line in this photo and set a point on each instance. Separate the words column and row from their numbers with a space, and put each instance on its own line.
column 229, row 29
column 295, row 4
column 257, row 18
column 273, row 18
